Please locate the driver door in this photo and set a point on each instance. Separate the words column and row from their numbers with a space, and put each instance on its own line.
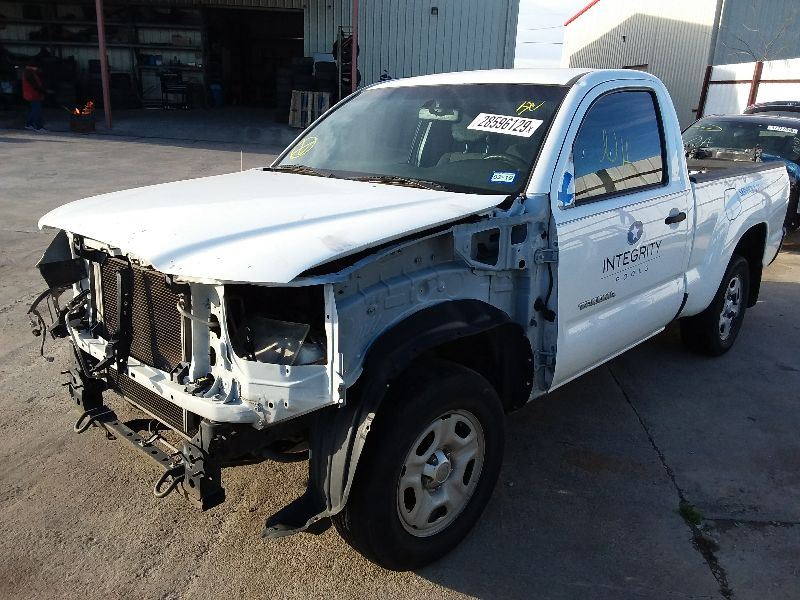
column 622, row 225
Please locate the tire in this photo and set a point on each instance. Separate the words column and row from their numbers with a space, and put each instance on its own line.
column 714, row 331
column 385, row 521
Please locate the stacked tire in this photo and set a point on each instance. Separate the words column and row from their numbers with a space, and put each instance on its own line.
column 346, row 65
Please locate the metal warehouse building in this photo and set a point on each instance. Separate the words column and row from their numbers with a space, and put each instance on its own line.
column 247, row 52
column 677, row 40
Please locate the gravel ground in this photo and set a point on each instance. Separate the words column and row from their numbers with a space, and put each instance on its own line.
column 587, row 503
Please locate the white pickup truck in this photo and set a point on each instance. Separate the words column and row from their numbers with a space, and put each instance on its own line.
column 432, row 253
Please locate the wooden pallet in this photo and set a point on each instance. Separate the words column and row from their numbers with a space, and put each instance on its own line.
column 306, row 107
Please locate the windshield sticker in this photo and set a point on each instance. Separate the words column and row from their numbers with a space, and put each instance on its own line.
column 503, row 177
column 303, row 148
column 505, row 124
column 528, row 106
column 791, row 130
column 709, row 128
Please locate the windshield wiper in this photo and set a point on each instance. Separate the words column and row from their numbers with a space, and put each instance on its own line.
column 298, row 169
column 397, row 180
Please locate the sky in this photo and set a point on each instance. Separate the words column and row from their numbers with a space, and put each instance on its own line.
column 540, row 31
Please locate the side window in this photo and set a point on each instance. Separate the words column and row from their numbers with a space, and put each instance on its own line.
column 619, row 146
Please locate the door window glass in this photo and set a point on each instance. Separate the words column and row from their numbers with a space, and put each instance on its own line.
column 619, row 146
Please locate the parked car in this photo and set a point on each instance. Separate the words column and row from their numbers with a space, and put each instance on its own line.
column 430, row 254
column 789, row 108
column 711, row 142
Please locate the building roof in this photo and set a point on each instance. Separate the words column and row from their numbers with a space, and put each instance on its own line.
column 580, row 12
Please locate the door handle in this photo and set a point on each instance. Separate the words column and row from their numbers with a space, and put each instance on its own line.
column 672, row 219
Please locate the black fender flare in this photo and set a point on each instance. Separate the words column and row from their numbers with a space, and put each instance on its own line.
column 387, row 358
column 338, row 434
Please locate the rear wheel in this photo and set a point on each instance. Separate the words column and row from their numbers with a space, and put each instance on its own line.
column 428, row 469
column 714, row 330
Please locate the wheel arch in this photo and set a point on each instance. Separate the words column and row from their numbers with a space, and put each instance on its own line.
column 453, row 330
column 469, row 332
column 751, row 246
column 472, row 333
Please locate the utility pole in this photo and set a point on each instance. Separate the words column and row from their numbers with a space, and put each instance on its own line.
column 101, row 38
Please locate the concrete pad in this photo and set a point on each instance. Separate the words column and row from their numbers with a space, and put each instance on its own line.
column 761, row 559
column 244, row 126
column 728, row 427
column 584, row 508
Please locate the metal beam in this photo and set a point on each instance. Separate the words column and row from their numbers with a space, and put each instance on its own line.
column 751, row 99
column 101, row 38
column 704, row 91
column 354, row 62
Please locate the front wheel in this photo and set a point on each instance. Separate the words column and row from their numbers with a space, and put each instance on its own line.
column 714, row 330
column 429, row 467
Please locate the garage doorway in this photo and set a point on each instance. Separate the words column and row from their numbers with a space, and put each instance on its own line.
column 246, row 48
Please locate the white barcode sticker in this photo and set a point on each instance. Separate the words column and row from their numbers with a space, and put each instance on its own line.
column 505, row 124
column 791, row 130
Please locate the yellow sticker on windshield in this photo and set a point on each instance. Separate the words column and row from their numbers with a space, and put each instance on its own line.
column 528, row 106
column 303, row 148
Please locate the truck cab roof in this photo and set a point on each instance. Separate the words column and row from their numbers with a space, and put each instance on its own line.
column 563, row 77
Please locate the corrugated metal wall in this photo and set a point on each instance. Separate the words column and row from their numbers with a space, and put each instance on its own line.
column 321, row 22
column 753, row 30
column 404, row 37
column 672, row 39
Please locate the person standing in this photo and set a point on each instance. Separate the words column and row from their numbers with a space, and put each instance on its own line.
column 33, row 91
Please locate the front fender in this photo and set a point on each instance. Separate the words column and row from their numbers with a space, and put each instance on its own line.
column 338, row 435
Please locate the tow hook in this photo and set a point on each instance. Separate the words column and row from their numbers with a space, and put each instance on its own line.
column 174, row 471
column 175, row 476
column 90, row 417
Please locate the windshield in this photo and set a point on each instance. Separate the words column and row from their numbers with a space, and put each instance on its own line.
column 481, row 138
column 723, row 134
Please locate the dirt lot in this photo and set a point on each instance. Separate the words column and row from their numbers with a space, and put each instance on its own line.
column 588, row 501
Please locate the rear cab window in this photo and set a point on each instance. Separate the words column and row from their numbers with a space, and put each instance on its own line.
column 619, row 147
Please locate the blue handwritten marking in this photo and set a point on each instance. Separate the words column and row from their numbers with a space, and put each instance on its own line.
column 563, row 194
column 750, row 188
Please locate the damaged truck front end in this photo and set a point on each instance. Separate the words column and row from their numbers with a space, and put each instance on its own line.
column 227, row 367
column 245, row 372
